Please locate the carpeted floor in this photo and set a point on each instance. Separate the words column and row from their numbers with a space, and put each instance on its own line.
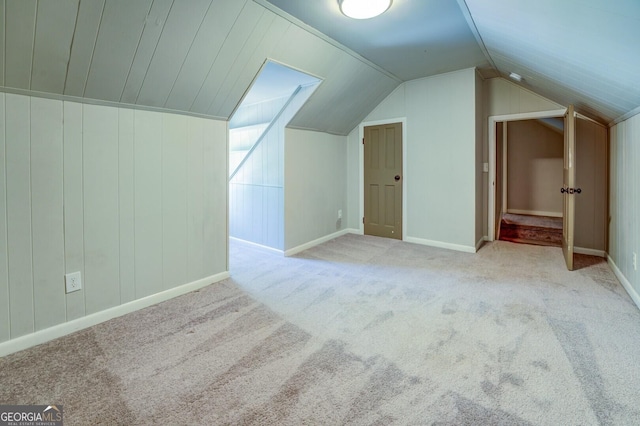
column 359, row 330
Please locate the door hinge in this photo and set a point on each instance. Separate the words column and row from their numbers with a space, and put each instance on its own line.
column 363, row 220
column 362, row 141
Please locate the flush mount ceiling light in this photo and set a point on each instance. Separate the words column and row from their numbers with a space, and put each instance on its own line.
column 363, row 9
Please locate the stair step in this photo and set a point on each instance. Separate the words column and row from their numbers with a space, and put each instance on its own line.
column 531, row 230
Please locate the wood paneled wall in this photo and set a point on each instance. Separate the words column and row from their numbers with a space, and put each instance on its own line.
column 624, row 200
column 256, row 192
column 135, row 200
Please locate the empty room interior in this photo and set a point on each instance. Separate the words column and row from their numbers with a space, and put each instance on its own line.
column 302, row 212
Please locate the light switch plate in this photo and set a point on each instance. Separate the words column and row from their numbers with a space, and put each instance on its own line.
column 73, row 282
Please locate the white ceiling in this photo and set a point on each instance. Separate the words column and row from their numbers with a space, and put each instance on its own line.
column 413, row 39
column 585, row 52
column 200, row 56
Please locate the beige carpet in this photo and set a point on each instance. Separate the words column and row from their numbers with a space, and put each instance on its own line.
column 359, row 330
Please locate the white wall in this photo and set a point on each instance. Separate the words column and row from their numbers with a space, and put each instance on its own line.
column 135, row 200
column 479, row 176
column 535, row 166
column 315, row 173
column 624, row 203
column 440, row 171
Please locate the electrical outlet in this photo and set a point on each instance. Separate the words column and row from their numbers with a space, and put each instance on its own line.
column 340, row 214
column 73, row 282
column 635, row 261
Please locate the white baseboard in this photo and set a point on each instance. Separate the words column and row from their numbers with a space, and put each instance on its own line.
column 625, row 282
column 258, row 246
column 590, row 252
column 305, row 246
column 440, row 244
column 355, row 231
column 43, row 336
column 535, row 213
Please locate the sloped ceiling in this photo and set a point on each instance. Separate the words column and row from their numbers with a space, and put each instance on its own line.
column 192, row 56
column 200, row 56
column 583, row 52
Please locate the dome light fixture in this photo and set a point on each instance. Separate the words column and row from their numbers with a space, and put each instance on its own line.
column 363, row 9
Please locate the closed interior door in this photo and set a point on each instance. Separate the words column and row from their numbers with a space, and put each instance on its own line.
column 383, row 180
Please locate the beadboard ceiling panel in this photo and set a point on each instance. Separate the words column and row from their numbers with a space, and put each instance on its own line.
column 84, row 40
column 240, row 62
column 20, row 23
column 54, row 32
column 234, row 42
column 154, row 24
column 270, row 39
column 192, row 56
column 115, row 48
column 178, row 34
column 580, row 52
column 2, row 38
column 212, row 34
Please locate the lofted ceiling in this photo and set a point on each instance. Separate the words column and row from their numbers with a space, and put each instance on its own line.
column 200, row 56
column 193, row 56
column 583, row 52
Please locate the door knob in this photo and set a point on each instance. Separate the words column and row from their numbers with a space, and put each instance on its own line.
column 397, row 178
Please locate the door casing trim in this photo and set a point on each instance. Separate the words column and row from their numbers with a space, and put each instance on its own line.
column 491, row 205
column 403, row 122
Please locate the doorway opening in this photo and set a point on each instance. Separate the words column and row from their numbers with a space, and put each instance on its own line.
column 588, row 194
column 256, row 154
column 529, row 161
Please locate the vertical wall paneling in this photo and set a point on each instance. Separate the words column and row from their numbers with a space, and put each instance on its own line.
column 236, row 38
column 195, row 200
column 84, row 40
column 101, row 213
column 625, row 201
column 2, row 39
column 174, row 200
column 52, row 47
column 179, row 31
column 216, row 175
column 134, row 200
column 126, row 173
column 19, row 37
column 122, row 25
column 479, row 176
column 5, row 323
column 146, row 46
column 148, row 202
column 18, row 175
column 73, row 204
column 210, row 37
column 47, row 212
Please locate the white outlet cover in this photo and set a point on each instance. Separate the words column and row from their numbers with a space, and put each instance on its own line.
column 73, row 282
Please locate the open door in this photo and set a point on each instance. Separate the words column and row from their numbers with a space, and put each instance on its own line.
column 568, row 186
